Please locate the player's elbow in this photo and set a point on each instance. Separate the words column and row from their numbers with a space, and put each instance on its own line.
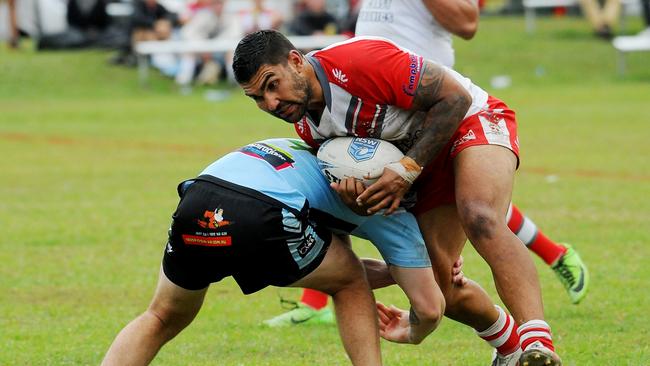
column 467, row 30
column 462, row 100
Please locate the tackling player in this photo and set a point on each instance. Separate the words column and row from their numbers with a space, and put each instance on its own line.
column 264, row 214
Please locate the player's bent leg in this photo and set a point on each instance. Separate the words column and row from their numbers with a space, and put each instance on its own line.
column 341, row 275
column 426, row 299
column 378, row 273
column 468, row 304
column 445, row 238
column 563, row 259
column 171, row 310
column 484, row 179
column 572, row 273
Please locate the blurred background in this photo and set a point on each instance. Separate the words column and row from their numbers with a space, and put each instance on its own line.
column 106, row 105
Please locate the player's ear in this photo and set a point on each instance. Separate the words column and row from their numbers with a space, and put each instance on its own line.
column 296, row 60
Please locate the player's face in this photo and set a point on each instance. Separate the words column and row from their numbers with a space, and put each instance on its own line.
column 279, row 90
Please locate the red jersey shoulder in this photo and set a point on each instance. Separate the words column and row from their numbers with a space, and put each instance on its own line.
column 374, row 69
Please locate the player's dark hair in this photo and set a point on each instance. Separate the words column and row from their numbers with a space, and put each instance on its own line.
column 259, row 48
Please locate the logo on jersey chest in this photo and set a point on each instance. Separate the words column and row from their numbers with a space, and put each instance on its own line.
column 340, row 76
column 273, row 155
column 362, row 149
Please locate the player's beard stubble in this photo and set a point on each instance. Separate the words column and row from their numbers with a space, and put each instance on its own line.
column 292, row 111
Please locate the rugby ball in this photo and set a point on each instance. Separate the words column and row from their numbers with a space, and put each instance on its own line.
column 343, row 157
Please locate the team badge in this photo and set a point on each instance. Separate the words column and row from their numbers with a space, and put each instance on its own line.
column 362, row 149
column 213, row 219
column 217, row 236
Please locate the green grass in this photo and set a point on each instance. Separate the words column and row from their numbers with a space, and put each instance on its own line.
column 89, row 162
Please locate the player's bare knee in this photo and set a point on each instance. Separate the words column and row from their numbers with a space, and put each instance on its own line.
column 429, row 311
column 351, row 266
column 479, row 220
column 350, row 275
column 169, row 322
column 161, row 322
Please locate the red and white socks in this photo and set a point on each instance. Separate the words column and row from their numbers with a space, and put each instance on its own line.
column 534, row 239
column 502, row 335
column 535, row 331
column 506, row 337
column 314, row 299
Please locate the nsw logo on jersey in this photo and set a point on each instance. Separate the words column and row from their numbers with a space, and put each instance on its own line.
column 278, row 158
column 362, row 149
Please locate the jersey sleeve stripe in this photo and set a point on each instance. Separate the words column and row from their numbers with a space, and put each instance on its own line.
column 378, row 123
column 350, row 115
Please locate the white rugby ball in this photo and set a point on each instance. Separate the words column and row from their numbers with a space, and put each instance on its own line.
column 343, row 157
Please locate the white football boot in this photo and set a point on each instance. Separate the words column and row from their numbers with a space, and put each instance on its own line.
column 538, row 355
column 511, row 359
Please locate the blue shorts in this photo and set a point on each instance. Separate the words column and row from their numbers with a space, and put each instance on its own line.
column 398, row 239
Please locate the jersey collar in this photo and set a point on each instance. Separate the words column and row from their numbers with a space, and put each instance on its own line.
column 322, row 79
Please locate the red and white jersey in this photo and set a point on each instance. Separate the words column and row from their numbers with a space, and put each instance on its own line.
column 409, row 24
column 368, row 85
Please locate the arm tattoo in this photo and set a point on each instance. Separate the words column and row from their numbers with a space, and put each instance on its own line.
column 446, row 103
column 413, row 317
column 429, row 86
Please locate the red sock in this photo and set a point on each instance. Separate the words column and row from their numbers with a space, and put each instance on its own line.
column 534, row 239
column 502, row 335
column 314, row 299
column 535, row 330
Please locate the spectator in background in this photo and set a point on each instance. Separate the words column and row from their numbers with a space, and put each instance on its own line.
column 88, row 15
column 313, row 18
column 205, row 19
column 14, row 34
column 259, row 17
column 348, row 22
column 89, row 25
column 602, row 19
column 150, row 21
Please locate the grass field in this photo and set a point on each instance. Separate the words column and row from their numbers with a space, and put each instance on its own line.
column 89, row 162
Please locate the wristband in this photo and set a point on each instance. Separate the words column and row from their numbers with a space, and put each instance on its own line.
column 407, row 168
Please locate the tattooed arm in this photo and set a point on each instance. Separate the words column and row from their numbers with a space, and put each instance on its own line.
column 445, row 102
